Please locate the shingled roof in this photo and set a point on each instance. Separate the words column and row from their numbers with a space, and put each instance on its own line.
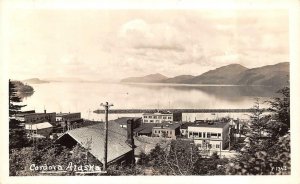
column 116, row 145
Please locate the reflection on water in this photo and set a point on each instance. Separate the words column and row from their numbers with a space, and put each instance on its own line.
column 229, row 92
column 86, row 97
column 25, row 95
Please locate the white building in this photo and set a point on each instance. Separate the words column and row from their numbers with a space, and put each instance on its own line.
column 160, row 117
column 209, row 135
column 44, row 129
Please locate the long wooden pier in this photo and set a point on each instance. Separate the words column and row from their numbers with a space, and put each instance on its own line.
column 137, row 111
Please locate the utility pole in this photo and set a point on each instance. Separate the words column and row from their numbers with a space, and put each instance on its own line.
column 106, row 107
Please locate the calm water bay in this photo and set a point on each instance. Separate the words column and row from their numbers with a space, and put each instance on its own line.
column 86, row 97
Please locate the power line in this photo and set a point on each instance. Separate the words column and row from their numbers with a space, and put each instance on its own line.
column 106, row 107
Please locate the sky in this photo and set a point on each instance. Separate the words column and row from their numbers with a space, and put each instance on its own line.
column 108, row 45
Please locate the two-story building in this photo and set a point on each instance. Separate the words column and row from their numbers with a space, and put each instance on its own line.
column 210, row 135
column 160, row 117
column 34, row 118
column 167, row 130
column 69, row 121
column 68, row 116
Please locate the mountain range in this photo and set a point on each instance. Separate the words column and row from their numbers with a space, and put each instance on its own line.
column 35, row 81
column 233, row 74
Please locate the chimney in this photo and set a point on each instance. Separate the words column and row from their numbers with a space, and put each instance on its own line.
column 45, row 111
column 130, row 139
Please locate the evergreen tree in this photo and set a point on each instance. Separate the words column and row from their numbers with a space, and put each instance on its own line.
column 256, row 130
column 176, row 159
column 280, row 106
column 267, row 150
column 14, row 98
column 17, row 134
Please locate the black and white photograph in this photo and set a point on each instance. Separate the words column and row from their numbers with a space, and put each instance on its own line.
column 96, row 91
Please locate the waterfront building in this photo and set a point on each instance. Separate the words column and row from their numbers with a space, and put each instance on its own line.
column 68, row 116
column 69, row 121
column 160, row 117
column 33, row 118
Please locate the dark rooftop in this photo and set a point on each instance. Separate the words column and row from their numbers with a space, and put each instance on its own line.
column 145, row 128
column 168, row 125
column 123, row 120
column 159, row 113
column 206, row 123
column 186, row 124
column 29, row 114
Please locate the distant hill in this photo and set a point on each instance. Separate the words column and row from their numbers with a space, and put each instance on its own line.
column 233, row 74
column 35, row 81
column 152, row 78
column 223, row 75
column 267, row 75
column 178, row 79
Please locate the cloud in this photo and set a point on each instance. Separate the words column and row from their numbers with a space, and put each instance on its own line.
column 138, row 42
column 139, row 34
column 160, row 47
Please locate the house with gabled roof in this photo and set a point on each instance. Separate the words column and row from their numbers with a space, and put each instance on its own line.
column 120, row 145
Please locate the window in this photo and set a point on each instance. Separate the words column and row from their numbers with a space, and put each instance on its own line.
column 200, row 134
column 145, row 116
column 208, row 134
column 164, row 117
column 145, row 121
column 159, row 117
column 219, row 135
column 154, row 117
column 151, row 121
column 154, row 131
column 150, row 116
column 159, row 131
column 195, row 134
column 204, row 134
column 169, row 117
column 214, row 135
column 191, row 134
column 157, row 121
column 217, row 146
column 170, row 132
